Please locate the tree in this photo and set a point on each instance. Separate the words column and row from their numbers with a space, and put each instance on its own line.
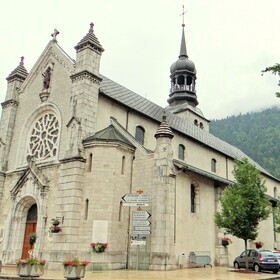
column 276, row 71
column 243, row 204
column 276, row 216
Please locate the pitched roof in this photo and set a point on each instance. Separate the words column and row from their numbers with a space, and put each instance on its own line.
column 146, row 107
column 90, row 40
column 19, row 72
column 108, row 134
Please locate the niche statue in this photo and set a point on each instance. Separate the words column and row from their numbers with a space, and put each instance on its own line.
column 47, row 78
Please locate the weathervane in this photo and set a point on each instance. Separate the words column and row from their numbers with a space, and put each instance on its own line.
column 183, row 15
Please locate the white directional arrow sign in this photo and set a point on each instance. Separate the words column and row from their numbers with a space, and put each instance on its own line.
column 138, row 204
column 142, row 232
column 140, row 215
column 140, row 228
column 136, row 198
column 140, row 223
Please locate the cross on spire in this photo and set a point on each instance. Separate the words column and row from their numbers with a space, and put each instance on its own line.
column 91, row 27
column 183, row 14
column 54, row 34
column 21, row 60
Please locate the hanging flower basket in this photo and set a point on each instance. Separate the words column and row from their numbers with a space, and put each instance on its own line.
column 55, row 222
column 32, row 238
column 54, row 226
column 55, row 229
column 258, row 244
column 98, row 247
column 226, row 241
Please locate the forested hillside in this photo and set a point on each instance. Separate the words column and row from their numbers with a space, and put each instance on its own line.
column 257, row 134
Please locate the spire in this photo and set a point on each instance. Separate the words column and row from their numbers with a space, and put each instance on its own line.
column 183, row 49
column 90, row 40
column 164, row 130
column 183, row 76
column 20, row 72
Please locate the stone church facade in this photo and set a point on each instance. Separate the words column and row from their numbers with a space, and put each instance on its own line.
column 73, row 143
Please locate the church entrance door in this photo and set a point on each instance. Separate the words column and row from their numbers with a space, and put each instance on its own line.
column 31, row 224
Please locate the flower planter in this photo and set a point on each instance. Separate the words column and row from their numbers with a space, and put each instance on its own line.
column 55, row 230
column 258, row 246
column 34, row 270
column 225, row 243
column 98, row 247
column 74, row 272
column 32, row 240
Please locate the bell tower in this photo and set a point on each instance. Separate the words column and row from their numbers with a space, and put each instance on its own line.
column 183, row 76
column 182, row 97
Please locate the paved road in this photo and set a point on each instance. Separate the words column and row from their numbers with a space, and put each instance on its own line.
column 215, row 273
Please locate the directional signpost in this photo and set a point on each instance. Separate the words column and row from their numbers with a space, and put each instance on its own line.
column 140, row 223
column 140, row 215
column 136, row 199
column 137, row 242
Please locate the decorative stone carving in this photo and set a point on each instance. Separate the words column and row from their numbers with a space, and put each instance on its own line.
column 43, row 143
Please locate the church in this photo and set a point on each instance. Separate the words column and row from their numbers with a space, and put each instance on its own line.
column 97, row 171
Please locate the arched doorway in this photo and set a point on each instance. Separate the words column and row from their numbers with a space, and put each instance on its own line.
column 30, row 226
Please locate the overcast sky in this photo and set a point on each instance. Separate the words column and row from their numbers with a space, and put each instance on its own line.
column 230, row 42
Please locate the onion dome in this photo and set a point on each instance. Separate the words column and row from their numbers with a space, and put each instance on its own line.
column 183, row 77
column 183, row 63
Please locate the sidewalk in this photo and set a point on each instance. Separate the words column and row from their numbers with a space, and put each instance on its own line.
column 203, row 273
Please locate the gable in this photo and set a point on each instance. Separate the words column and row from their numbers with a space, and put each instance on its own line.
column 31, row 173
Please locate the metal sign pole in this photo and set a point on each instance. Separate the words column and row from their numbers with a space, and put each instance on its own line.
column 137, row 252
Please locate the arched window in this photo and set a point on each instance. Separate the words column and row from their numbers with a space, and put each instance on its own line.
column 201, row 125
column 32, row 214
column 86, row 209
column 195, row 122
column 181, row 152
column 123, row 165
column 193, row 198
column 139, row 134
column 189, row 80
column 89, row 162
column 181, row 80
column 275, row 192
column 213, row 165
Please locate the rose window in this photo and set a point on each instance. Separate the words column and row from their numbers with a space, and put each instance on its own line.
column 44, row 138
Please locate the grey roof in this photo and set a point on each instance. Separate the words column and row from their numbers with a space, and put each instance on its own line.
column 19, row 72
column 183, row 107
column 188, row 167
column 90, row 40
column 146, row 107
column 108, row 134
column 164, row 129
column 212, row 176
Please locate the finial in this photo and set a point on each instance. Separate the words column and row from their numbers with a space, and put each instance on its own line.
column 164, row 116
column 91, row 27
column 54, row 34
column 183, row 13
column 21, row 60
